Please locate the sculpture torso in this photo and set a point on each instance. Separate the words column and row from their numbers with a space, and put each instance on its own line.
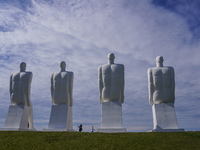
column 161, row 84
column 62, row 84
column 111, row 77
column 20, row 88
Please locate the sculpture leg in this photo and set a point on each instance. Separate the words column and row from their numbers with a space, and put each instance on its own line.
column 30, row 117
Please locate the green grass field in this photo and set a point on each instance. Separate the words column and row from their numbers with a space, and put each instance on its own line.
column 99, row 141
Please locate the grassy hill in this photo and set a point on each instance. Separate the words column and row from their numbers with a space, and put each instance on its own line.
column 99, row 141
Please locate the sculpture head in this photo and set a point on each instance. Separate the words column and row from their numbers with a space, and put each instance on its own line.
column 22, row 67
column 62, row 65
column 111, row 58
column 159, row 61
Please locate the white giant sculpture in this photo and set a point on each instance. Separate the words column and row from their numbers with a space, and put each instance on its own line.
column 161, row 83
column 62, row 100
column 111, row 94
column 20, row 113
column 111, row 81
column 62, row 86
column 161, row 86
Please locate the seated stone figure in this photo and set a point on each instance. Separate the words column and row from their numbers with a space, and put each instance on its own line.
column 62, row 86
column 161, row 96
column 161, row 83
column 62, row 100
column 20, row 87
column 111, row 81
column 111, row 94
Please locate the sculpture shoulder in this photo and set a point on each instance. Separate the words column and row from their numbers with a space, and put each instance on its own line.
column 55, row 74
column 29, row 73
column 119, row 65
column 100, row 67
column 160, row 70
column 61, row 74
column 117, row 68
column 70, row 72
column 149, row 71
column 67, row 73
column 15, row 74
column 167, row 70
column 111, row 65
column 104, row 68
column 114, row 67
column 155, row 71
column 170, row 68
column 153, row 68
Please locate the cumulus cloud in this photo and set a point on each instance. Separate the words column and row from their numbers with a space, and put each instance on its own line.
column 82, row 33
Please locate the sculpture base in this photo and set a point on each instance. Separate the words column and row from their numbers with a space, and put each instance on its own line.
column 17, row 118
column 60, row 118
column 111, row 115
column 167, row 130
column 17, row 129
column 59, row 130
column 111, row 130
column 164, row 118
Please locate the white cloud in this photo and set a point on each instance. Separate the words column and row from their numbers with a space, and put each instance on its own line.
column 82, row 33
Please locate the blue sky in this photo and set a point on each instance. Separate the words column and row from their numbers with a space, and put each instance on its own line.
column 82, row 32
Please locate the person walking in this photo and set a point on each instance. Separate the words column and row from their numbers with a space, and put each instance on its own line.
column 80, row 127
column 92, row 128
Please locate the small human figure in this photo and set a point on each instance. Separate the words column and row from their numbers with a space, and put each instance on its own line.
column 111, row 81
column 20, row 88
column 62, row 86
column 80, row 127
column 161, row 83
column 92, row 128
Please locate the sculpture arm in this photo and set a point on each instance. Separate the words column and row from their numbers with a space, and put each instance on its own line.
column 173, row 84
column 100, row 83
column 28, row 88
column 71, row 80
column 150, row 86
column 122, row 81
column 52, row 89
column 11, row 91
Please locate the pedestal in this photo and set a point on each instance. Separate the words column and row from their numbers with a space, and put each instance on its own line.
column 164, row 118
column 60, row 118
column 111, row 117
column 17, row 118
column 111, row 130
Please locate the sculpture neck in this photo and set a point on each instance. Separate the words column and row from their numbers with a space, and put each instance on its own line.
column 159, row 64
column 110, row 62
column 62, row 70
column 22, row 70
